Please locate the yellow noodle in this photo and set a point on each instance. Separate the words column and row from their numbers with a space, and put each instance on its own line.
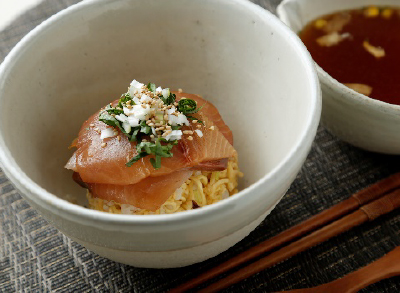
column 210, row 188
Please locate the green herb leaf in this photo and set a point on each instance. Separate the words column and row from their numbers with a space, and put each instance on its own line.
column 194, row 118
column 151, row 87
column 187, row 106
column 134, row 134
column 136, row 158
column 145, row 148
column 124, row 99
column 153, row 162
column 110, row 110
column 144, row 128
column 176, row 127
column 170, row 100
column 111, row 121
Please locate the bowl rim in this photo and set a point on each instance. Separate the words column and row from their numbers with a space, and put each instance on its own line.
column 77, row 213
column 327, row 79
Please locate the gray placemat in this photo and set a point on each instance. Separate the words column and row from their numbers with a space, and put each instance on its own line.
column 35, row 257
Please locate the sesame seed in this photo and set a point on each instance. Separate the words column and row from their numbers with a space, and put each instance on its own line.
column 144, row 139
column 119, row 138
column 143, row 106
column 103, row 145
column 168, row 127
column 152, row 136
column 212, row 127
column 190, row 138
column 180, row 90
column 91, row 125
column 198, row 126
column 187, row 132
column 194, row 121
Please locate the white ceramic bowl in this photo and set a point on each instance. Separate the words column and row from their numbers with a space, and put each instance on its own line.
column 234, row 53
column 357, row 119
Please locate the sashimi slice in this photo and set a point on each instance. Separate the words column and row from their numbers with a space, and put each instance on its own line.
column 105, row 164
column 212, row 113
column 149, row 194
column 216, row 165
column 71, row 164
column 209, row 110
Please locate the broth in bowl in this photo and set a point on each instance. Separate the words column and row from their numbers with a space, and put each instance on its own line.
column 359, row 48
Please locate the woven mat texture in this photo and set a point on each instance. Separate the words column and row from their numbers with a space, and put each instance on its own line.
column 35, row 257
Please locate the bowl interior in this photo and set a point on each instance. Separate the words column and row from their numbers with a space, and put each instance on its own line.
column 74, row 65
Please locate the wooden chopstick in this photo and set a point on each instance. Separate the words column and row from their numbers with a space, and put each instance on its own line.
column 385, row 267
column 365, row 213
column 358, row 199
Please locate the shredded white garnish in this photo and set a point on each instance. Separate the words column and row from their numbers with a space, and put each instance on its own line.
column 174, row 135
column 135, row 87
column 145, row 98
column 121, row 117
column 108, row 132
column 199, row 132
column 133, row 121
column 165, row 93
column 178, row 120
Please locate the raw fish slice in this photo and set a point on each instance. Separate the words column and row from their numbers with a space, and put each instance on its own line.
column 216, row 165
column 149, row 194
column 211, row 112
column 71, row 164
column 106, row 165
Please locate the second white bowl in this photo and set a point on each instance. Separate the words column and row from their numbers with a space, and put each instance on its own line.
column 357, row 119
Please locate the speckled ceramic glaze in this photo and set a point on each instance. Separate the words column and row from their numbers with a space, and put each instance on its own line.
column 234, row 53
column 364, row 122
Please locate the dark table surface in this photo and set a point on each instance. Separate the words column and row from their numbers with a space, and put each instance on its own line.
column 35, row 257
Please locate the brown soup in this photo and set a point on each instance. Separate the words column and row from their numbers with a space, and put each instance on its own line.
column 359, row 48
